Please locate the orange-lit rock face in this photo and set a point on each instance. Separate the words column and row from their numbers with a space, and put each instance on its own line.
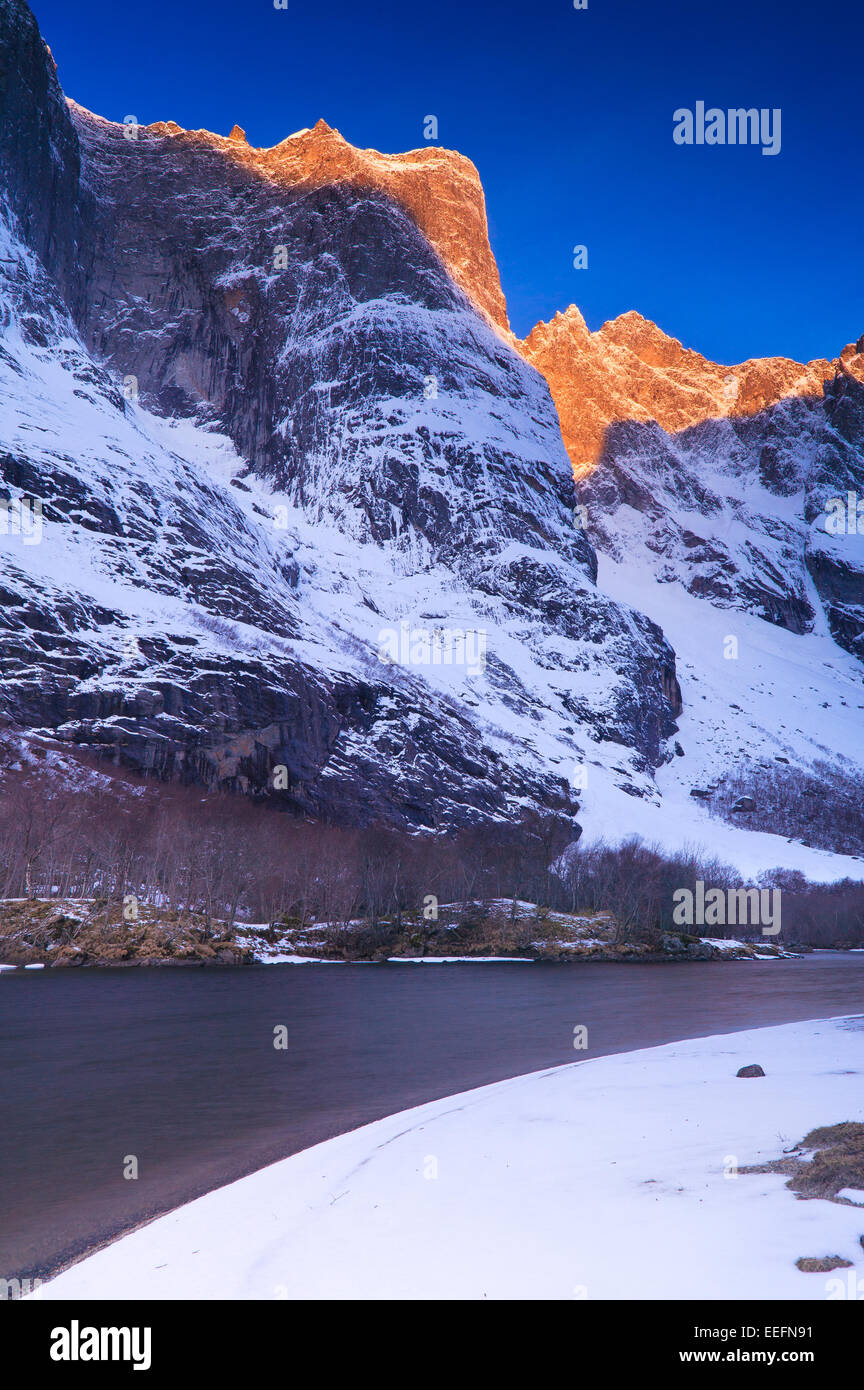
column 439, row 188
column 630, row 370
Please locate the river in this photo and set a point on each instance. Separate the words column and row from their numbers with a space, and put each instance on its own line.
column 178, row 1070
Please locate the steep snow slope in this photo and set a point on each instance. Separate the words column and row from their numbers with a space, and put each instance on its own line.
column 784, row 696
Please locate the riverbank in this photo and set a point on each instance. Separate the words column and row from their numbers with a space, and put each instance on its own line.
column 635, row 1176
column 180, row 1067
column 74, row 932
column 64, row 933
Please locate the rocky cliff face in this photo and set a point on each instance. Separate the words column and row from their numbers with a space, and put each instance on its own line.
column 277, row 433
column 319, row 327
column 722, row 476
column 38, row 147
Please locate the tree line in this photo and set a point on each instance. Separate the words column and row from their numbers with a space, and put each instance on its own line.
column 231, row 859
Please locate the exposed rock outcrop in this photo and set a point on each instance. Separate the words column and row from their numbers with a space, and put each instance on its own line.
column 631, row 370
column 724, row 474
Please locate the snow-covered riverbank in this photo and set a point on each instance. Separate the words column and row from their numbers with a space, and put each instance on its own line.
column 612, row 1178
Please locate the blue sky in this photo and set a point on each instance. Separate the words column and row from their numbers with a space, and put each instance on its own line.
column 568, row 116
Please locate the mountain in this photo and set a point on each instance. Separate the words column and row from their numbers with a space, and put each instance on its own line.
column 631, row 370
column 251, row 477
column 307, row 517
column 712, row 494
column 736, row 445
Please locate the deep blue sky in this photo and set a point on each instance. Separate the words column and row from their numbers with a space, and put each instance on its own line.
column 568, row 116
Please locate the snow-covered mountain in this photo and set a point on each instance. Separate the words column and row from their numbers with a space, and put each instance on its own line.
column 724, row 501
column 308, row 526
column 317, row 455
column 726, row 478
